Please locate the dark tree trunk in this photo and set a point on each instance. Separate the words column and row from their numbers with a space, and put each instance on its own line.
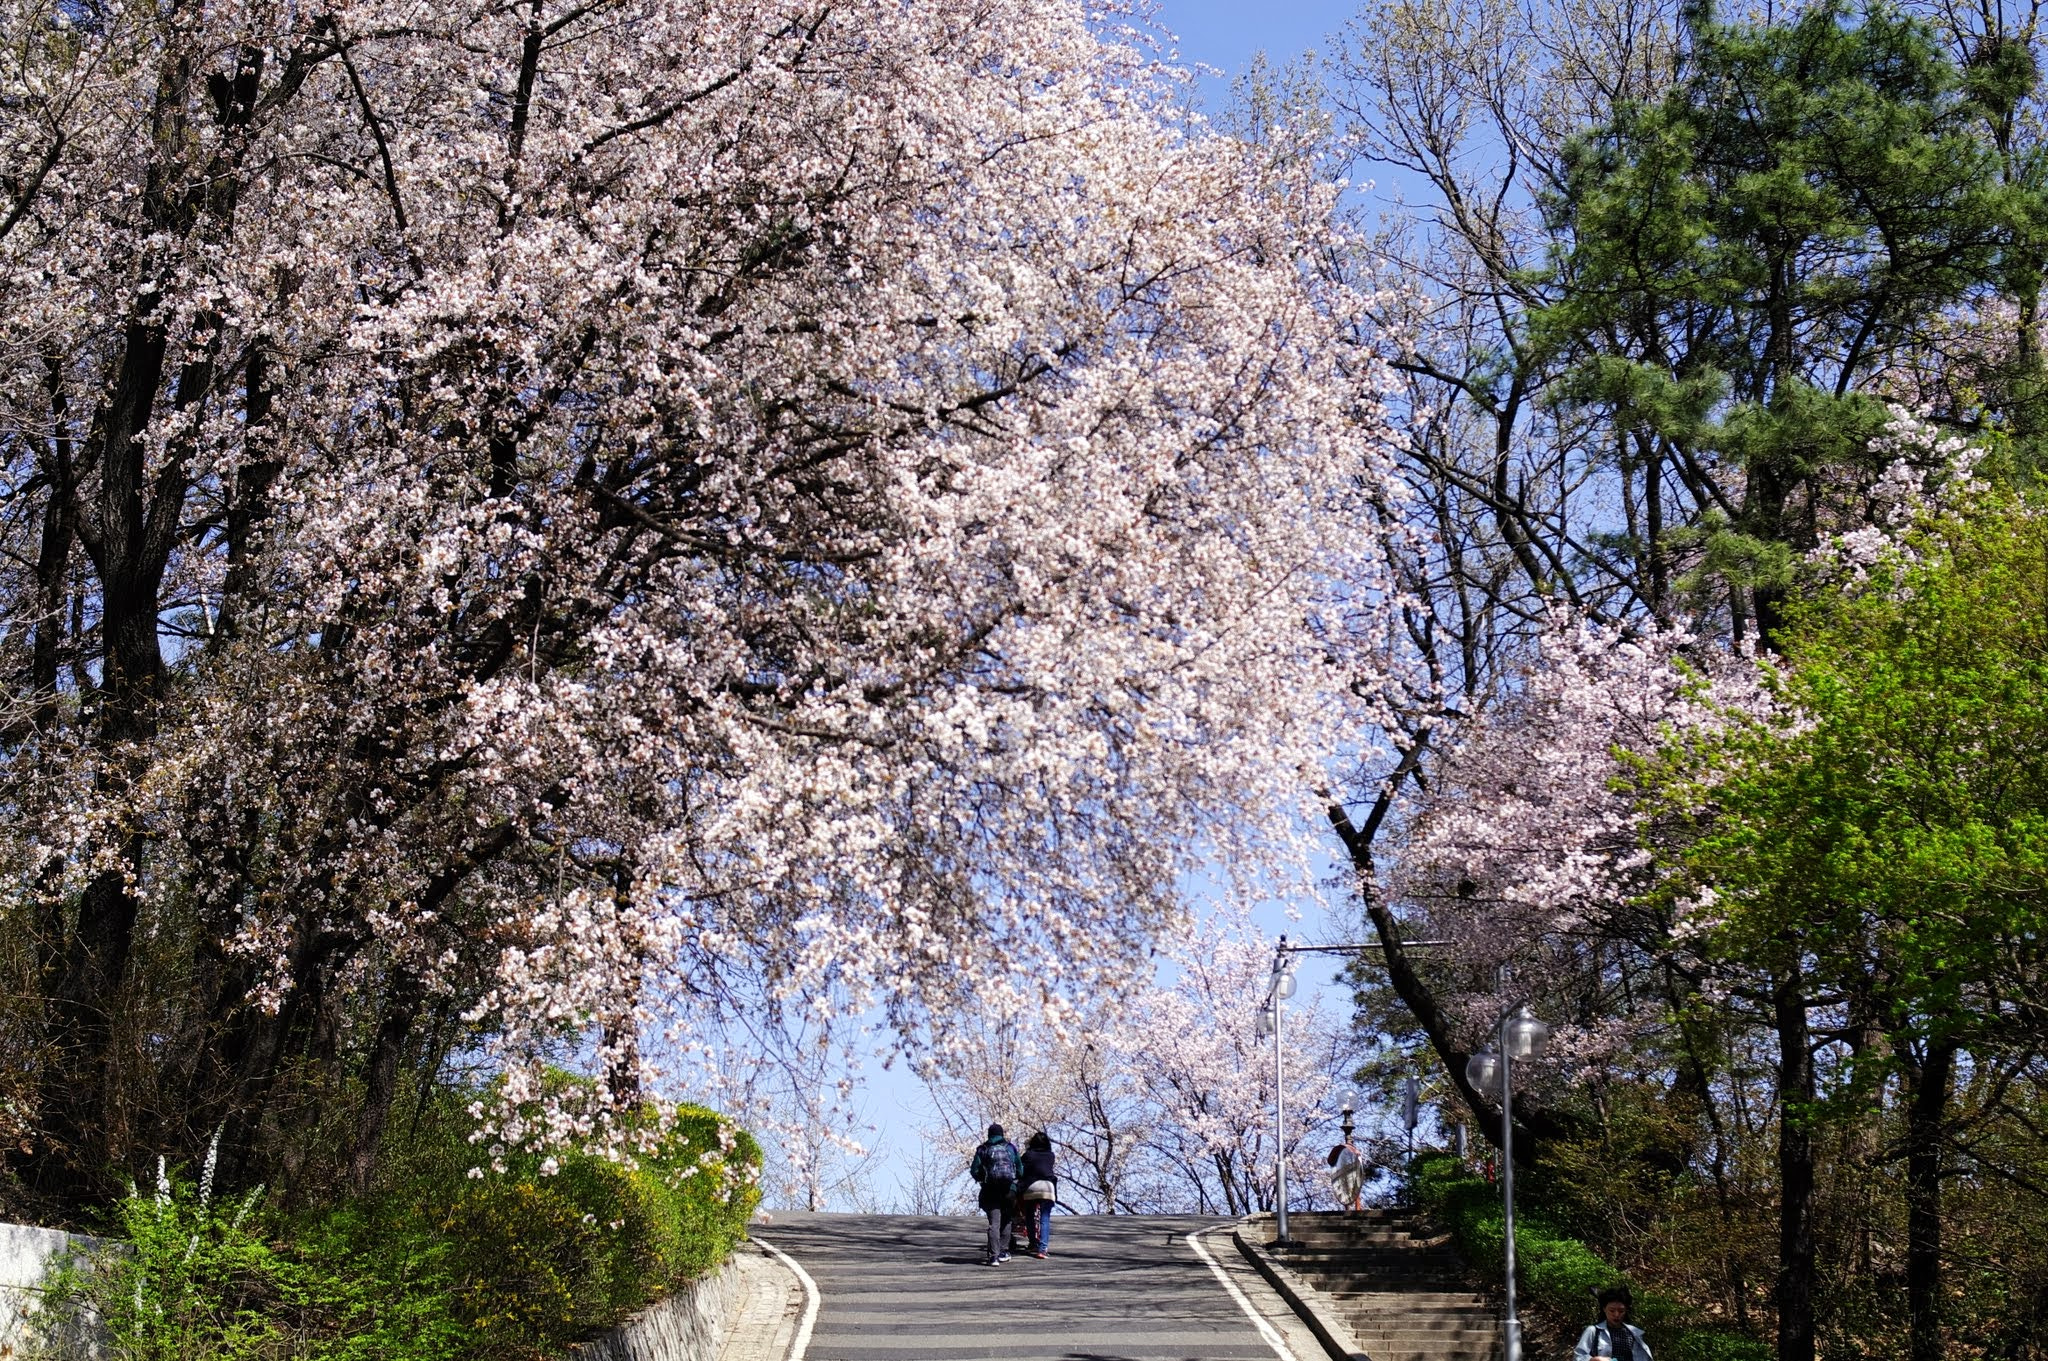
column 249, row 512
column 1931, row 1079
column 129, row 547
column 1794, row 1293
column 1420, row 1000
column 1653, row 525
column 69, row 1163
column 380, row 1086
column 53, row 562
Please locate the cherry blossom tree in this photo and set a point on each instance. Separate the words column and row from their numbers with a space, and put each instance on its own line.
column 545, row 526
column 1210, row 1073
column 1160, row 1098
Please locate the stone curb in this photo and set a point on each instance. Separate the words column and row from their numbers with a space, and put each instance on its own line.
column 1304, row 1299
column 766, row 1317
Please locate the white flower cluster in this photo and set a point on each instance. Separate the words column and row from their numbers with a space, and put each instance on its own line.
column 1928, row 472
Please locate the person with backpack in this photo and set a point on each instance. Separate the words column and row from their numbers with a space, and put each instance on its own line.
column 995, row 1167
column 1612, row 1335
column 1037, row 1187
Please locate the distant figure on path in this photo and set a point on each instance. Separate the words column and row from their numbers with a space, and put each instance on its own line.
column 1613, row 1335
column 995, row 1167
column 1037, row 1187
column 1347, row 1172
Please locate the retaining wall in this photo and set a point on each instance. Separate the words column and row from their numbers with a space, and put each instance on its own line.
column 27, row 1256
column 690, row 1325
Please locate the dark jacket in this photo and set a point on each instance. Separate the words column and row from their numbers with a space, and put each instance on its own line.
column 995, row 1192
column 1037, row 1167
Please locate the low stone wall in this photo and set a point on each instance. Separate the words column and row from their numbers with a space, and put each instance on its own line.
column 27, row 1256
column 690, row 1325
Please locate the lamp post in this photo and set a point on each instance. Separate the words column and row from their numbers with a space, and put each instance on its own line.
column 1521, row 1036
column 1279, row 988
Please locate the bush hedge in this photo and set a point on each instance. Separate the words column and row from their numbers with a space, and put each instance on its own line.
column 438, row 1265
column 1556, row 1272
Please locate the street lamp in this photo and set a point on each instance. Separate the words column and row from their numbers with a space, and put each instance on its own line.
column 1279, row 988
column 1521, row 1037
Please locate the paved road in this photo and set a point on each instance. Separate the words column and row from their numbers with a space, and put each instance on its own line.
column 1116, row 1288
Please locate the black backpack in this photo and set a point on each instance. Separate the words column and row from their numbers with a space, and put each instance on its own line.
column 999, row 1161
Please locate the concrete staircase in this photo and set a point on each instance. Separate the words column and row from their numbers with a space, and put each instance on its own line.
column 1405, row 1292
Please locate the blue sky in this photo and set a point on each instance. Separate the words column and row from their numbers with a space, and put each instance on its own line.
column 1227, row 35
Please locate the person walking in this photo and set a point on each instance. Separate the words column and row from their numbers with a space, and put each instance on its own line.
column 1347, row 1173
column 1038, row 1187
column 1612, row 1334
column 995, row 1167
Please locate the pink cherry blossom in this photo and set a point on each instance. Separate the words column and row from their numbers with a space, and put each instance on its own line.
column 669, row 511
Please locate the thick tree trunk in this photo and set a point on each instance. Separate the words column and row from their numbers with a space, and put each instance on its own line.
column 1794, row 1293
column 53, row 562
column 380, row 1086
column 69, row 1162
column 129, row 554
column 249, row 511
column 1931, row 1079
column 1653, row 525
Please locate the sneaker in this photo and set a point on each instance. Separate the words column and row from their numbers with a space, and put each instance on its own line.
column 991, row 1261
column 1039, row 1255
column 1004, row 1258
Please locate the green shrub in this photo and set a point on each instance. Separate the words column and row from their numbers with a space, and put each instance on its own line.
column 438, row 1265
column 194, row 1280
column 380, row 1281
column 1556, row 1272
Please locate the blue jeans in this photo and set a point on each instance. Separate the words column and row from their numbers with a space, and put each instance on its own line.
column 1038, row 1219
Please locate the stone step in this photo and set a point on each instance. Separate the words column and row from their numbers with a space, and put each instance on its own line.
column 1325, row 1242
column 1405, row 1280
column 1390, row 1304
column 1377, row 1344
column 1396, row 1279
column 1377, row 1327
column 1376, row 1258
column 1371, row 1256
column 1352, row 1287
column 1419, row 1247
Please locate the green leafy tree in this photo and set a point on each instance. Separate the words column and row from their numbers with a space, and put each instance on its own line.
column 1743, row 265
column 1888, row 837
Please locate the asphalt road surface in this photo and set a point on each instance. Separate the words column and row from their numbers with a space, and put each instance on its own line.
column 1116, row 1288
